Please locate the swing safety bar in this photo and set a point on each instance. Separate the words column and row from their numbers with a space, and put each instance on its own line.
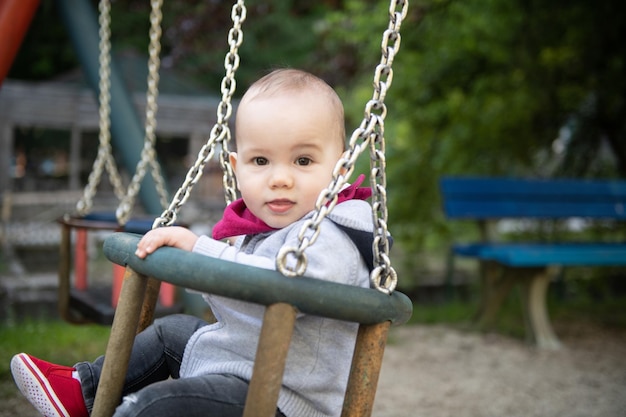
column 283, row 296
column 262, row 286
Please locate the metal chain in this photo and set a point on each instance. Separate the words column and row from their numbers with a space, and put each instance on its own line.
column 148, row 155
column 104, row 158
column 220, row 133
column 291, row 261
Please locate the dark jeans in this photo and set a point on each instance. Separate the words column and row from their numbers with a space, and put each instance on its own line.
column 153, row 388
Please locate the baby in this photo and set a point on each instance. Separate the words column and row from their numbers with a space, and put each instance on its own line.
column 289, row 137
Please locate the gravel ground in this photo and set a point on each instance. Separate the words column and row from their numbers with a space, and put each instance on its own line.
column 440, row 372
column 437, row 371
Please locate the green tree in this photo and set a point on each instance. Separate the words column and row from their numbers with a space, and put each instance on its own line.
column 494, row 87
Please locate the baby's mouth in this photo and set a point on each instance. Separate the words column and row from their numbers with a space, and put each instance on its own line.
column 280, row 205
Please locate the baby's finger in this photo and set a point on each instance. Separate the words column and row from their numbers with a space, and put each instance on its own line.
column 140, row 252
column 144, row 247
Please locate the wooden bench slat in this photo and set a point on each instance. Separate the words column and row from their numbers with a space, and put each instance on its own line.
column 489, row 209
column 546, row 187
column 30, row 198
column 475, row 198
column 536, row 255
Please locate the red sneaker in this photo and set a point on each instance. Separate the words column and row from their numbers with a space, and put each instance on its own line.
column 50, row 388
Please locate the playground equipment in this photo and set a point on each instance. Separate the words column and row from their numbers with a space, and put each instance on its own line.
column 92, row 304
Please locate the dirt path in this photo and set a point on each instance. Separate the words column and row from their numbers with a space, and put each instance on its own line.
column 436, row 371
column 440, row 372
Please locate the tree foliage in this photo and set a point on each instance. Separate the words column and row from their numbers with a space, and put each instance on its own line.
column 497, row 87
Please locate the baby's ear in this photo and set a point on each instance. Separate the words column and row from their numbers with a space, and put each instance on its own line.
column 232, row 157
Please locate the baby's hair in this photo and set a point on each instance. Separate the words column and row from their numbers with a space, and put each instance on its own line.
column 288, row 79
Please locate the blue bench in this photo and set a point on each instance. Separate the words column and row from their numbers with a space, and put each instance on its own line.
column 532, row 264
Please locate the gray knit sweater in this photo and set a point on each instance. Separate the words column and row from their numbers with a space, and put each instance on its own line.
column 321, row 349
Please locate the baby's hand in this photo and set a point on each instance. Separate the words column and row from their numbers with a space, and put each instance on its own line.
column 175, row 236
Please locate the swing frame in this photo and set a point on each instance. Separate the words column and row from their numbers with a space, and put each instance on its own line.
column 76, row 304
column 374, row 309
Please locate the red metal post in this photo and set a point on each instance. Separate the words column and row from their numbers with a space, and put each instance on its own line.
column 81, row 257
column 167, row 294
column 118, row 279
column 15, row 18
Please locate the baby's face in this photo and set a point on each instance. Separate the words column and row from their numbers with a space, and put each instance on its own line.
column 287, row 148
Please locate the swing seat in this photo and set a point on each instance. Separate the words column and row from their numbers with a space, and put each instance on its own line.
column 81, row 302
column 282, row 295
column 136, row 225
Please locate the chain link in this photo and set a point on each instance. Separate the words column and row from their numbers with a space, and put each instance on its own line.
column 231, row 63
column 104, row 158
column 220, row 133
column 384, row 277
column 291, row 261
column 148, row 155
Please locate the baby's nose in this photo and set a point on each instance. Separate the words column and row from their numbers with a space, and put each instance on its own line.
column 281, row 177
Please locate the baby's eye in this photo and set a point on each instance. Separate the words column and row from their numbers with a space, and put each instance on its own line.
column 304, row 161
column 259, row 160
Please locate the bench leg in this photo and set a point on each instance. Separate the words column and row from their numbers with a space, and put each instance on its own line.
column 538, row 327
column 496, row 286
column 498, row 282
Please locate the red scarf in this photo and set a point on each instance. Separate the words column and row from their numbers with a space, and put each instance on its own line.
column 238, row 220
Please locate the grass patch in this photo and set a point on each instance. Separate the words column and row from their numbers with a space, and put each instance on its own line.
column 461, row 313
column 54, row 341
column 610, row 313
column 579, row 306
column 452, row 312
